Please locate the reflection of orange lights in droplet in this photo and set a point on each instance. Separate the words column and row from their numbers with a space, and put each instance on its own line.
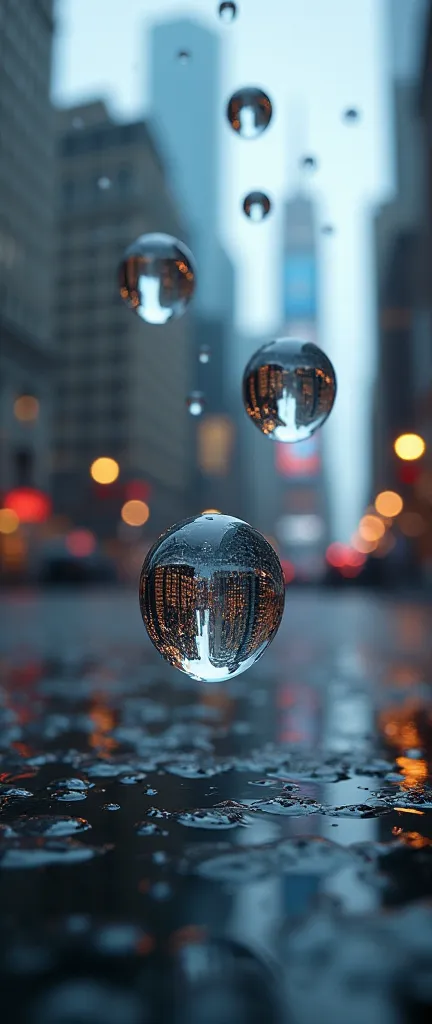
column 80, row 543
column 9, row 521
column 411, row 524
column 288, row 570
column 371, row 528
column 388, row 503
column 413, row 839
column 408, row 810
column 211, row 511
column 26, row 408
column 414, row 771
column 104, row 470
column 135, row 512
column 409, row 447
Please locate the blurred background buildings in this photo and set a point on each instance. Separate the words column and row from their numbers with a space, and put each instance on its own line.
column 84, row 379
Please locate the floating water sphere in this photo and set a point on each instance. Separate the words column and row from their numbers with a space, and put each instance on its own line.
column 310, row 163
column 249, row 112
column 227, row 11
column 195, row 403
column 183, row 56
column 211, row 595
column 157, row 278
column 256, row 205
column 289, row 387
column 104, row 183
column 204, row 354
column 351, row 115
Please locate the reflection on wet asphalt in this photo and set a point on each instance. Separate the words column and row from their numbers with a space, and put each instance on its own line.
column 258, row 850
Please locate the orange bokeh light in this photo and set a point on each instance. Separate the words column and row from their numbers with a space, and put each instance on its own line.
column 409, row 447
column 388, row 504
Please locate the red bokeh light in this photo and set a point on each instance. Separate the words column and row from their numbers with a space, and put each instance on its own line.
column 30, row 505
column 80, row 543
column 288, row 570
column 336, row 554
column 345, row 558
column 137, row 490
column 409, row 472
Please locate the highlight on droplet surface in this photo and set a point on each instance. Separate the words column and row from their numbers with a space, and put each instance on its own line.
column 249, row 112
column 256, row 206
column 157, row 277
column 227, row 11
column 211, row 596
column 204, row 354
column 289, row 387
column 195, row 403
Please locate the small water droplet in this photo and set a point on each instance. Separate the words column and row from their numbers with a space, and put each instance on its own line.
column 256, row 206
column 291, row 806
column 148, row 828
column 69, row 795
column 150, row 791
column 249, row 112
column 227, row 11
column 132, row 780
column 161, row 891
column 183, row 56
column 111, row 807
column 104, row 183
column 227, row 596
column 309, row 163
column 157, row 278
column 195, row 403
column 49, row 825
column 289, row 388
column 204, row 354
column 351, row 115
column 75, row 784
column 327, row 229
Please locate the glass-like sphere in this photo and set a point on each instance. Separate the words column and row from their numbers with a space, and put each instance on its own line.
column 195, row 403
column 157, row 277
column 256, row 205
column 351, row 115
column 310, row 163
column 204, row 354
column 211, row 596
column 289, row 387
column 227, row 11
column 249, row 112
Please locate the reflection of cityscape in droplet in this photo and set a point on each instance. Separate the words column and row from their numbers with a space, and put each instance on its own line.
column 211, row 596
column 195, row 403
column 256, row 206
column 289, row 388
column 249, row 112
column 157, row 278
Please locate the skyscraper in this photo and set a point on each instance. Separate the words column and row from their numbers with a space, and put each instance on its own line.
column 186, row 112
column 122, row 383
column 26, row 236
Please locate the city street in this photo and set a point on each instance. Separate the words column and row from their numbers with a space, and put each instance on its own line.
column 143, row 811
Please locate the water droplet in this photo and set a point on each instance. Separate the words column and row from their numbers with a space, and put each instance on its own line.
column 161, row 891
column 104, row 183
column 249, row 112
column 356, row 811
column 49, row 825
column 148, row 828
column 227, row 11
column 211, row 596
column 309, row 163
column 291, row 806
column 327, row 229
column 225, row 815
column 27, row 852
column 111, row 807
column 351, row 115
column 195, row 403
column 132, row 780
column 204, row 354
column 79, row 785
column 150, row 791
column 257, row 206
column 157, row 278
column 69, row 795
column 289, row 388
column 183, row 56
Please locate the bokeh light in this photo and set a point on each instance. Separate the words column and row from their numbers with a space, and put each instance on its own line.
column 80, row 543
column 371, row 528
column 214, row 511
column 29, row 504
column 388, row 504
column 364, row 547
column 135, row 512
column 409, row 447
column 411, row 524
column 104, row 470
column 9, row 521
column 26, row 408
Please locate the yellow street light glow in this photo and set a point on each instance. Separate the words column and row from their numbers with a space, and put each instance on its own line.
column 9, row 521
column 409, row 447
column 371, row 528
column 135, row 512
column 26, row 408
column 388, row 504
column 104, row 470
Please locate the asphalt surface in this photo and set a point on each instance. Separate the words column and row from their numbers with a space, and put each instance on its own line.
column 258, row 850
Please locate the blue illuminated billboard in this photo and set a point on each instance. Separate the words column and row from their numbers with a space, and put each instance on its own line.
column 300, row 286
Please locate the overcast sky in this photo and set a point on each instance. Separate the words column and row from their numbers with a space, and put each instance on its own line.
column 314, row 58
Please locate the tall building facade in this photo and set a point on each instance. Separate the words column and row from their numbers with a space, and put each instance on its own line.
column 122, row 383
column 26, row 239
column 403, row 392
column 185, row 79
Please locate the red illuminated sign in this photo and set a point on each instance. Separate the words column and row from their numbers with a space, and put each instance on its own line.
column 30, row 505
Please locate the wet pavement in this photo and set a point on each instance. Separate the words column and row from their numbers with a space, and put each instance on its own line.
column 259, row 850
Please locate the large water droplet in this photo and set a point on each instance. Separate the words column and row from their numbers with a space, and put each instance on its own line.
column 289, row 388
column 227, row 11
column 204, row 354
column 249, row 112
column 195, row 403
column 211, row 596
column 157, row 278
column 256, row 206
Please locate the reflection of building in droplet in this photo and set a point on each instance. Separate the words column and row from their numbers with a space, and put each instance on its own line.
column 157, row 277
column 249, row 112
